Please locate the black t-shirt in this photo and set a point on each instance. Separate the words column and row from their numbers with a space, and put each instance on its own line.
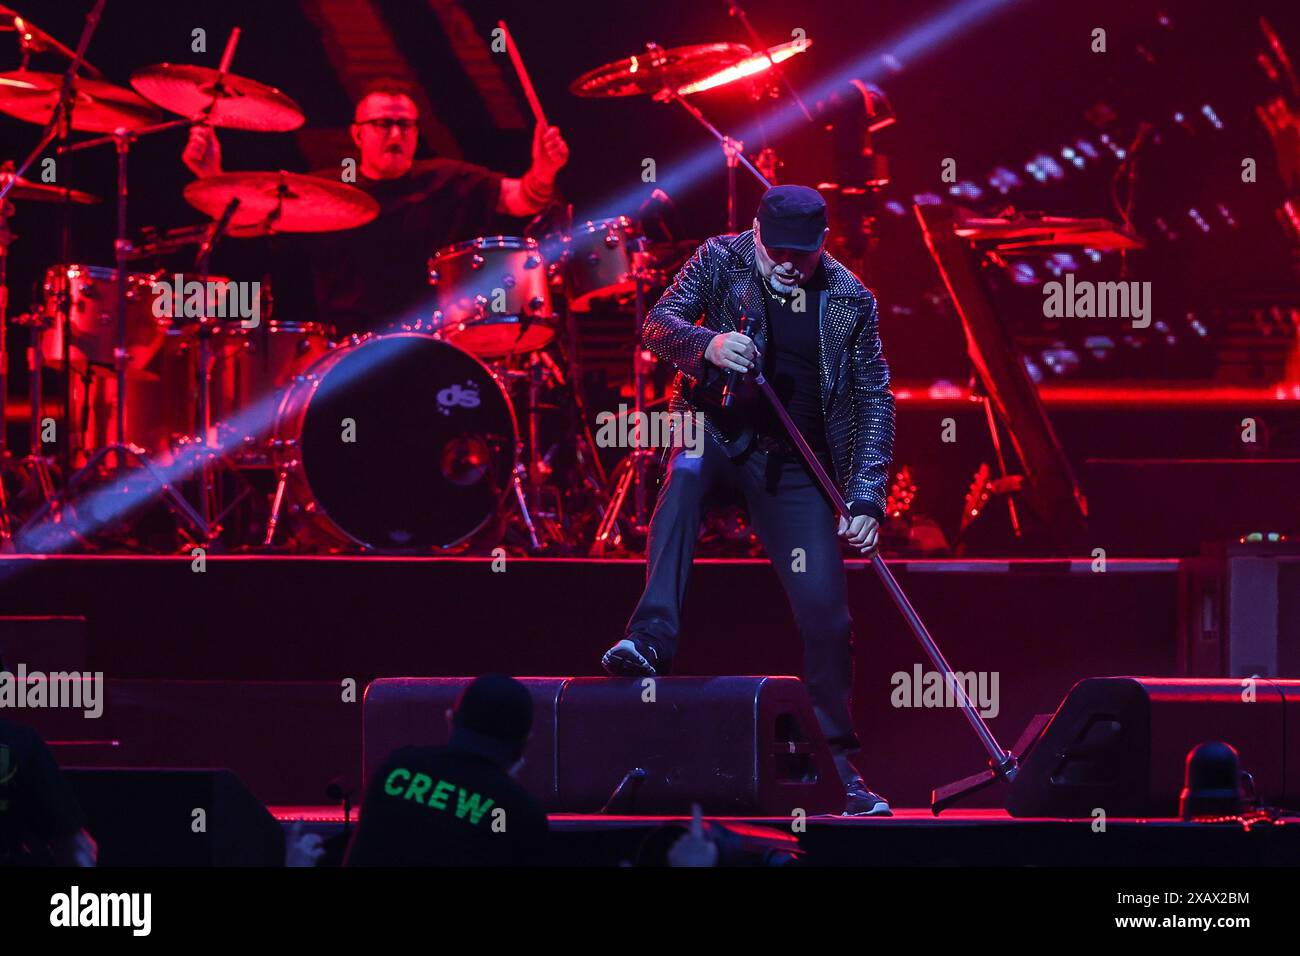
column 792, row 364
column 37, row 806
column 377, row 275
column 443, row 806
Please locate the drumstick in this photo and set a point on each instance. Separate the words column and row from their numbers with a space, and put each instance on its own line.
column 229, row 54
column 226, row 57
column 529, row 93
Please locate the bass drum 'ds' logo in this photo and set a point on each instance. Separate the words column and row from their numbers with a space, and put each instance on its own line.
column 458, row 396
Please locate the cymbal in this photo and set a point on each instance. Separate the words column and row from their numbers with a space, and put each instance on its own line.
column 29, row 191
column 1031, row 231
column 749, row 66
column 658, row 68
column 241, row 103
column 282, row 202
column 99, row 107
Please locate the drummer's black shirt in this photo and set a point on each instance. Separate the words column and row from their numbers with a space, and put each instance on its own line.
column 376, row 275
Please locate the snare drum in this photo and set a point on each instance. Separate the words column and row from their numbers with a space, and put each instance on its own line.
column 492, row 297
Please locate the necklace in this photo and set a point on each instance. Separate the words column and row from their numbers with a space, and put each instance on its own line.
column 783, row 299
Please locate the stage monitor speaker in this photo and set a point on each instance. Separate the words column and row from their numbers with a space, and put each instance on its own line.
column 402, row 711
column 736, row 745
column 149, row 818
column 1119, row 745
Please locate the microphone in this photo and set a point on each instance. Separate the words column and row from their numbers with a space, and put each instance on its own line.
column 728, row 398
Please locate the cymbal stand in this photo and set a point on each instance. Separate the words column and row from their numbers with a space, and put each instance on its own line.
column 591, row 472
column 733, row 152
column 121, row 139
column 633, row 471
column 59, row 125
column 531, row 467
column 6, row 237
column 121, row 449
column 205, row 447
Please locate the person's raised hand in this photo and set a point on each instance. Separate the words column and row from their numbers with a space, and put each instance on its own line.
column 202, row 154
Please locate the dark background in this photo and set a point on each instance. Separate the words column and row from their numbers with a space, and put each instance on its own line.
column 1013, row 79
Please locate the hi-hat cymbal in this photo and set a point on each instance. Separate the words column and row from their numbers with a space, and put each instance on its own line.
column 282, row 202
column 658, row 68
column 240, row 103
column 99, row 107
column 29, row 191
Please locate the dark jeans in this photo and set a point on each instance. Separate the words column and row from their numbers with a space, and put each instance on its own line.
column 787, row 510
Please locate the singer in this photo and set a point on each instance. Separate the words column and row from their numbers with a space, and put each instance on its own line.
column 772, row 296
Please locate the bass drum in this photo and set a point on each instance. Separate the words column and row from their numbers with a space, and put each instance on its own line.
column 395, row 443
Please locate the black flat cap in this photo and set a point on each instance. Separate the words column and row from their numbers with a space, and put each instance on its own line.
column 792, row 217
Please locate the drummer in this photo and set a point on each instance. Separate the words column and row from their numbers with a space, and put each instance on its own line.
column 376, row 275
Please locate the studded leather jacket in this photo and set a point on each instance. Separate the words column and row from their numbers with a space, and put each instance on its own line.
column 712, row 291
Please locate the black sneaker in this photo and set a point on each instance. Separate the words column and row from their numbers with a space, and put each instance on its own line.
column 630, row 657
column 861, row 802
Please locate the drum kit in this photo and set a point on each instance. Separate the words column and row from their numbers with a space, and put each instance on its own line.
column 407, row 440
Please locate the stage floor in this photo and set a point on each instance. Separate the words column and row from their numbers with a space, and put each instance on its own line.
column 915, row 837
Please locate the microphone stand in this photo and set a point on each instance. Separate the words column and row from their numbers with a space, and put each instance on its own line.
column 1003, row 765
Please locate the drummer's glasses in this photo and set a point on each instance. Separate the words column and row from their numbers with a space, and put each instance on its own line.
column 385, row 125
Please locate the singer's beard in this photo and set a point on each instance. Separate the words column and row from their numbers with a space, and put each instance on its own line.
column 780, row 287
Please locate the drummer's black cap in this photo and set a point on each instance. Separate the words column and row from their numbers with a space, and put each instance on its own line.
column 792, row 217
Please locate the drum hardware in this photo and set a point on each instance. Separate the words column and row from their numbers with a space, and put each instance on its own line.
column 634, row 471
column 121, row 449
column 670, row 75
column 62, row 115
column 48, row 528
column 34, row 469
column 204, row 445
column 121, row 139
column 533, row 468
column 733, row 152
column 6, row 237
column 32, row 39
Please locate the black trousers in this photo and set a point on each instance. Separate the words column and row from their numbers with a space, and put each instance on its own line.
column 787, row 510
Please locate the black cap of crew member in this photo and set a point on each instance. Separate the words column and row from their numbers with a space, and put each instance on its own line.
column 792, row 217
column 493, row 716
